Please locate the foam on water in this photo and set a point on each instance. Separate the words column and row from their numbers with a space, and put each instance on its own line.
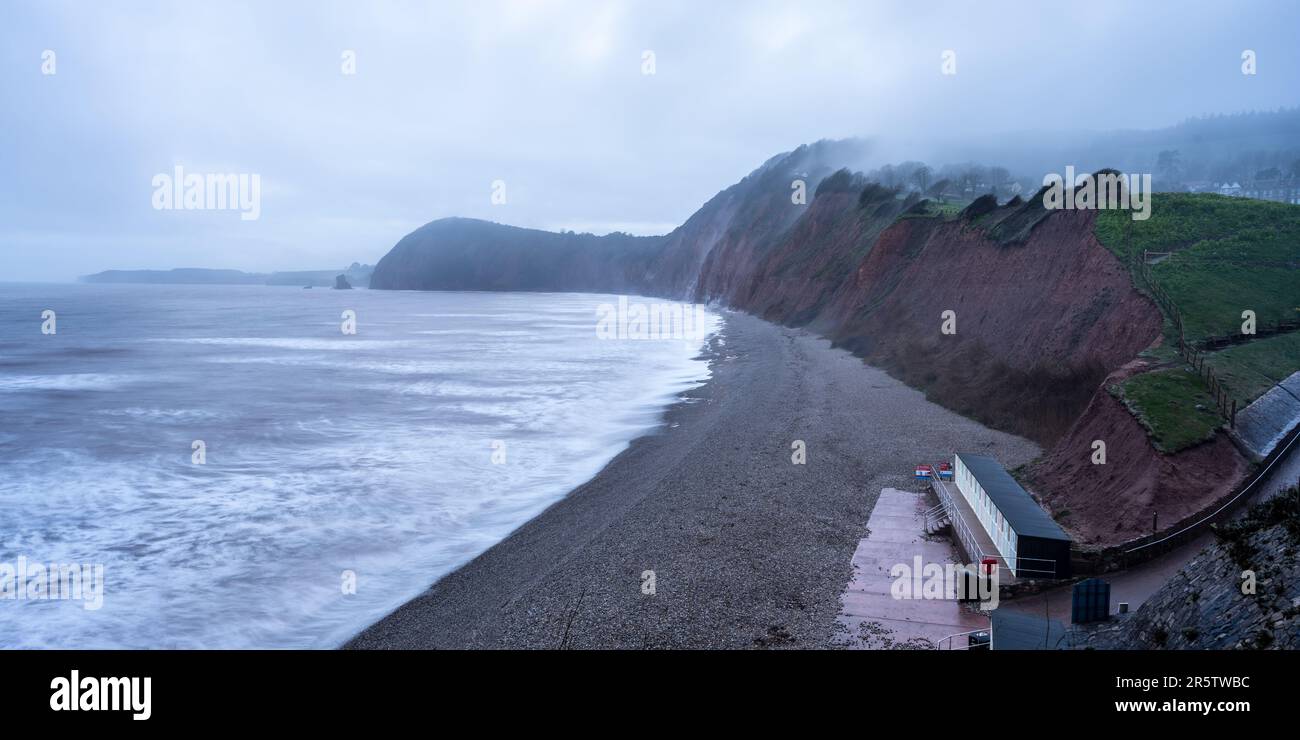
column 63, row 382
column 325, row 453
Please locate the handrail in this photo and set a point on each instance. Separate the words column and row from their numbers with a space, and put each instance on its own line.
column 967, row 634
column 1050, row 573
column 972, row 544
column 968, row 539
column 1262, row 475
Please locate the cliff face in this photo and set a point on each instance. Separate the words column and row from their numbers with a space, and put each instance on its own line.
column 1038, row 325
column 1138, row 486
column 468, row 254
column 1043, row 313
column 793, row 278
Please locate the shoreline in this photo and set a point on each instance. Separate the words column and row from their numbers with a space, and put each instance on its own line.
column 703, row 533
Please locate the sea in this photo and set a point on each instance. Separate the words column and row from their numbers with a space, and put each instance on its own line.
column 277, row 467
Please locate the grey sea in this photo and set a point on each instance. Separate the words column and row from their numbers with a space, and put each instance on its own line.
column 249, row 475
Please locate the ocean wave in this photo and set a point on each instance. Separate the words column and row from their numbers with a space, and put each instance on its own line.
column 65, row 382
column 379, row 463
column 342, row 343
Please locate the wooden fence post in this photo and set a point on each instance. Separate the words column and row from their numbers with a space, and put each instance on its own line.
column 1194, row 356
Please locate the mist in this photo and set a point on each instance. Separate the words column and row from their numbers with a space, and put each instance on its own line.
column 363, row 122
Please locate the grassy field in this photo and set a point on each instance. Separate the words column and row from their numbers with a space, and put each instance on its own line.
column 1228, row 255
column 1181, row 219
column 1251, row 369
column 1173, row 405
column 1212, row 283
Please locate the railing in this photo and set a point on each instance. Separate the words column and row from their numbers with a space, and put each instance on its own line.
column 933, row 514
column 965, row 646
column 1226, row 406
column 959, row 525
column 1045, row 567
column 1277, row 456
column 1025, row 567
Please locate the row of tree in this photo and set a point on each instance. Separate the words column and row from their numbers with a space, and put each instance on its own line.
column 965, row 181
column 1173, row 168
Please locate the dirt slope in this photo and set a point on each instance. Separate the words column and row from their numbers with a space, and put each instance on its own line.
column 1115, row 502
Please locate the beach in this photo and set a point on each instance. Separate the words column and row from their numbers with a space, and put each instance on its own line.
column 706, row 534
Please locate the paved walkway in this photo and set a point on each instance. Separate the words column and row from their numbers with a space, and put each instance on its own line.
column 870, row 614
column 1263, row 425
column 1135, row 585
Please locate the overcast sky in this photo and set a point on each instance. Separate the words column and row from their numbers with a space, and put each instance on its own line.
column 549, row 97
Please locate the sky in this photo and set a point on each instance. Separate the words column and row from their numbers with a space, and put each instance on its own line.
column 364, row 120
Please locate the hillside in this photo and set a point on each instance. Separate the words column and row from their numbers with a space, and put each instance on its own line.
column 466, row 254
column 357, row 274
column 178, row 276
column 1059, row 332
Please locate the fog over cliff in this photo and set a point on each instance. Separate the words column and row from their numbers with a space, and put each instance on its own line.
column 553, row 100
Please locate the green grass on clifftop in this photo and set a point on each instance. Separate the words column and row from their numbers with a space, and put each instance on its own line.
column 1173, row 405
column 933, row 209
column 1227, row 255
column 1251, row 369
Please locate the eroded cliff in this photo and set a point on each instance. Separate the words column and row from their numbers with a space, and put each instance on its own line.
column 1043, row 313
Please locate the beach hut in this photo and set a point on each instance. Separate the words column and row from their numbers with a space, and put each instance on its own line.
column 1032, row 544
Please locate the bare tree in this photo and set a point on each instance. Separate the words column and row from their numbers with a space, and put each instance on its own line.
column 999, row 177
column 921, row 176
column 937, row 189
column 887, row 176
column 1167, row 163
column 970, row 179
